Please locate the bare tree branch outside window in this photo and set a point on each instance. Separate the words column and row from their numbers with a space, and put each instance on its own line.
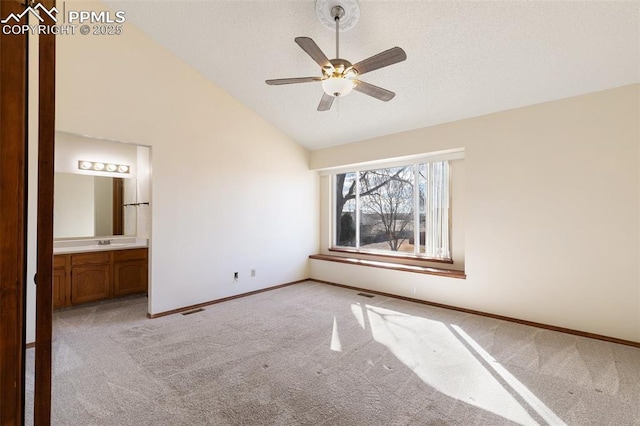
column 375, row 210
column 387, row 207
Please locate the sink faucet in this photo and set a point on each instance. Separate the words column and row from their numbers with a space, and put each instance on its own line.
column 104, row 242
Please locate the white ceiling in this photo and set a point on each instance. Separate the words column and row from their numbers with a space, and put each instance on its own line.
column 464, row 58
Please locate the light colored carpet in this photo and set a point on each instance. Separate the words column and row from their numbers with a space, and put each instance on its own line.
column 315, row 354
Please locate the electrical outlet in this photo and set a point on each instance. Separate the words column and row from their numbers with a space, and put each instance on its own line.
column 235, row 276
column 253, row 273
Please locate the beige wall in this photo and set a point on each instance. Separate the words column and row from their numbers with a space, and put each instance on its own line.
column 551, row 213
column 229, row 192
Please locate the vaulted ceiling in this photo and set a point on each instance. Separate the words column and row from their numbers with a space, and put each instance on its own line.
column 464, row 58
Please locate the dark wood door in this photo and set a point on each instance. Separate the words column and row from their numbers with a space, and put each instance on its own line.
column 118, row 206
column 14, row 97
column 13, row 226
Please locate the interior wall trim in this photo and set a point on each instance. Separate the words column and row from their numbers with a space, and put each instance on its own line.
column 409, row 299
column 393, row 266
column 494, row 316
column 224, row 299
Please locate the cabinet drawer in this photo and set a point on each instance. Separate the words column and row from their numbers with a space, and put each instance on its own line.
column 132, row 254
column 90, row 258
column 59, row 261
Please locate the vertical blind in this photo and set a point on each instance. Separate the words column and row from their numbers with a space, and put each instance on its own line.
column 437, row 210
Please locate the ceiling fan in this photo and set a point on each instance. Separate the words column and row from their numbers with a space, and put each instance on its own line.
column 339, row 76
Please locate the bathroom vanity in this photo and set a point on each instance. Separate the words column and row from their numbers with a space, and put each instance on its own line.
column 92, row 270
column 101, row 219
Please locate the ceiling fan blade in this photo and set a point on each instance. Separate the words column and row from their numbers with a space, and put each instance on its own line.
column 384, row 59
column 279, row 81
column 375, row 91
column 325, row 102
column 314, row 51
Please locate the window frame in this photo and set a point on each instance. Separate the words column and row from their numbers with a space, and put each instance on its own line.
column 414, row 163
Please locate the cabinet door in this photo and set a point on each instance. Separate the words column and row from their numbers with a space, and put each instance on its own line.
column 59, row 287
column 130, row 277
column 89, row 283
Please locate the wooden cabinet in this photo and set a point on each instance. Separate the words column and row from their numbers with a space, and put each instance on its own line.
column 129, row 272
column 89, row 283
column 60, row 281
column 89, row 277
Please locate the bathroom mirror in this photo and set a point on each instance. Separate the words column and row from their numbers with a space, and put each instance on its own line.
column 91, row 199
column 93, row 206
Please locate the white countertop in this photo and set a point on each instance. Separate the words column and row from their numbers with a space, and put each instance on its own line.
column 91, row 244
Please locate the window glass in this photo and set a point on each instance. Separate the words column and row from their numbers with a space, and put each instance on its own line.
column 386, row 209
column 399, row 210
column 345, row 202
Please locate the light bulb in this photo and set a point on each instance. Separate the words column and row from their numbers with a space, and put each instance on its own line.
column 123, row 169
column 98, row 166
column 86, row 165
column 337, row 86
column 111, row 167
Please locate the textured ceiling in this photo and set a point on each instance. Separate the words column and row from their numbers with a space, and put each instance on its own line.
column 465, row 58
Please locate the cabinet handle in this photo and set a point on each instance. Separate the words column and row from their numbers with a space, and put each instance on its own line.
column 35, row 279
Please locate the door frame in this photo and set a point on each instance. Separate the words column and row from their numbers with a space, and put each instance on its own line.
column 44, row 268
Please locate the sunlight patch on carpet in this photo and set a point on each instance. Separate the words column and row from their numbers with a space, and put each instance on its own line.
column 335, row 337
column 442, row 361
column 533, row 401
column 357, row 311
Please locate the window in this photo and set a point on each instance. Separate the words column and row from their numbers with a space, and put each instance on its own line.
column 400, row 210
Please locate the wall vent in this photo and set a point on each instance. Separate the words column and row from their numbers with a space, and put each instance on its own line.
column 195, row 311
column 366, row 295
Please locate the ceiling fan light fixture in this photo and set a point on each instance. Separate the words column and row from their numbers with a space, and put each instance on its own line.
column 337, row 86
column 338, row 76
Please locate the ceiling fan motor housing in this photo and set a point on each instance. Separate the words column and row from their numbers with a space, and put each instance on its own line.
column 339, row 68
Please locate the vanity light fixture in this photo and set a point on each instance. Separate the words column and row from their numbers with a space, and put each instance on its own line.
column 103, row 167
